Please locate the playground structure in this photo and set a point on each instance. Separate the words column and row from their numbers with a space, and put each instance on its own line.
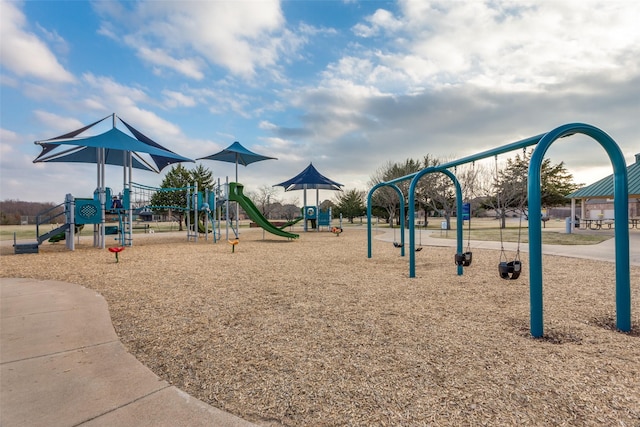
column 316, row 218
column 137, row 199
column 236, row 194
column 311, row 179
column 62, row 232
column 114, row 147
column 75, row 212
column 541, row 143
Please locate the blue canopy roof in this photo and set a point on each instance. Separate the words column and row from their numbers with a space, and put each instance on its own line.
column 90, row 155
column 237, row 153
column 161, row 161
column 115, row 141
column 310, row 178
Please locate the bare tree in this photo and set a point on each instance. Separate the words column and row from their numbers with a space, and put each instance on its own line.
column 264, row 199
column 473, row 180
column 290, row 212
column 387, row 198
column 384, row 197
column 436, row 191
column 502, row 189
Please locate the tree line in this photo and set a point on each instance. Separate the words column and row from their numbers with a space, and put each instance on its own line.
column 500, row 190
column 13, row 211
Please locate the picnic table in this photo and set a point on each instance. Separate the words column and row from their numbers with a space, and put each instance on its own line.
column 596, row 224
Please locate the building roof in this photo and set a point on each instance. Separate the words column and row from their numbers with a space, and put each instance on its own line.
column 604, row 188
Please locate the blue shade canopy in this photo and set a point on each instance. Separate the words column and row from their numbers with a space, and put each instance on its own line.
column 161, row 161
column 112, row 147
column 236, row 153
column 115, row 139
column 310, row 178
column 115, row 142
column 90, row 155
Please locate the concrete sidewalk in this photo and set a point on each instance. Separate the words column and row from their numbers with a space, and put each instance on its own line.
column 62, row 364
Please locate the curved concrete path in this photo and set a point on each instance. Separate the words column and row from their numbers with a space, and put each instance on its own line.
column 62, row 364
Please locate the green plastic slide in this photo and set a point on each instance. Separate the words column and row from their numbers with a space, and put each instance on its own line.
column 292, row 222
column 236, row 194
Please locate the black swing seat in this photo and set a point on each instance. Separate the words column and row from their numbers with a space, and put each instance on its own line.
column 468, row 257
column 510, row 270
column 397, row 245
column 464, row 259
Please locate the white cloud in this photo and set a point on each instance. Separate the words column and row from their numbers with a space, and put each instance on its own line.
column 381, row 20
column 265, row 125
column 116, row 94
column 23, row 53
column 240, row 37
column 504, row 45
column 445, row 78
column 128, row 103
column 57, row 122
column 58, row 42
column 178, row 99
column 7, row 137
column 187, row 67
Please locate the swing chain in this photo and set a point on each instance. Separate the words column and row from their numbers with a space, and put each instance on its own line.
column 499, row 213
column 509, row 270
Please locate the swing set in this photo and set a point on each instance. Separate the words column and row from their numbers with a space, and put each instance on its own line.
column 507, row 269
column 511, row 270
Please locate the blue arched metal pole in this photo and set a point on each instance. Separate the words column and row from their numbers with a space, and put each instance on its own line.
column 412, row 213
column 621, row 197
column 402, row 213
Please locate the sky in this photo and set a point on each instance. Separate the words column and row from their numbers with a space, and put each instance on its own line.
column 347, row 85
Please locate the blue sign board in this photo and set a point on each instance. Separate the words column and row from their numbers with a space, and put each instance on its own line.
column 466, row 211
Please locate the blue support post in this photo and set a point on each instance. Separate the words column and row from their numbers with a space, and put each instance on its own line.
column 620, row 203
column 402, row 213
column 412, row 214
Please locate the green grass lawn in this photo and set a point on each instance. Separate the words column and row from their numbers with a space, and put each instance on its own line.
column 482, row 229
column 28, row 232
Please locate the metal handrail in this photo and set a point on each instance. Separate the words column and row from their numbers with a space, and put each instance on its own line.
column 48, row 219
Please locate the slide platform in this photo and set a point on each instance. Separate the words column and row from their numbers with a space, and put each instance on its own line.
column 236, row 194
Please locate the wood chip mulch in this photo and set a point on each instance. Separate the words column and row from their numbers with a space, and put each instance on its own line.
column 313, row 333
